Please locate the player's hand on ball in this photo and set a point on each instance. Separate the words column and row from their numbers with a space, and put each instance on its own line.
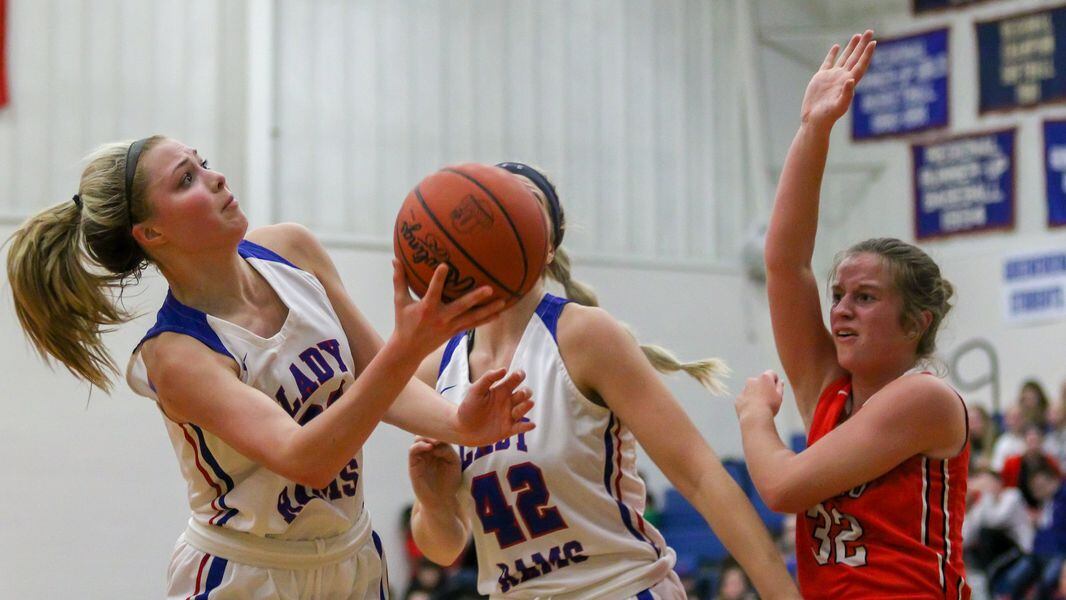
column 423, row 325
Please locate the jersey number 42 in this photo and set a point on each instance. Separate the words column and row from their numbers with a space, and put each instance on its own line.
column 497, row 516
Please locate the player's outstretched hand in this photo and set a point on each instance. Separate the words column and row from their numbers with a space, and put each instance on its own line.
column 494, row 408
column 434, row 470
column 423, row 325
column 830, row 91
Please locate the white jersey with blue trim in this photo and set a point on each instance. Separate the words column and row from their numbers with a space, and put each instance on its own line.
column 556, row 512
column 305, row 367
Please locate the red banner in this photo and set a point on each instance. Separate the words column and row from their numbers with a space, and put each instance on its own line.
column 3, row 53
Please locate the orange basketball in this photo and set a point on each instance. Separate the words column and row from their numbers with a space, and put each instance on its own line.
column 479, row 220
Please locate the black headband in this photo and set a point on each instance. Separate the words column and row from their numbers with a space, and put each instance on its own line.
column 133, row 154
column 546, row 187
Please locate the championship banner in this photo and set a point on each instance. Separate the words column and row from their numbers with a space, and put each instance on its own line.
column 921, row 6
column 1055, row 166
column 1034, row 286
column 964, row 184
column 3, row 53
column 905, row 89
column 1022, row 59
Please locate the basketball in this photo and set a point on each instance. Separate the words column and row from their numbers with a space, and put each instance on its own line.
column 482, row 222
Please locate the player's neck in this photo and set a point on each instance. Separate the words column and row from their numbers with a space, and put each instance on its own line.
column 506, row 330
column 865, row 385
column 218, row 287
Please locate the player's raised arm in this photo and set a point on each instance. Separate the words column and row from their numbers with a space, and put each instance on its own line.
column 803, row 343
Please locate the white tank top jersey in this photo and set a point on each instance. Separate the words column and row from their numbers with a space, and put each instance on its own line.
column 305, row 367
column 555, row 512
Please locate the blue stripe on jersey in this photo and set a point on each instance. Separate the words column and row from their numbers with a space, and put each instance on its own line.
column 381, row 580
column 246, row 249
column 219, row 472
column 214, row 576
column 548, row 310
column 176, row 317
column 448, row 351
column 608, row 471
column 210, row 458
column 645, row 595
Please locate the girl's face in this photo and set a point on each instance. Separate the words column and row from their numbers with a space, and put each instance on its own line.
column 191, row 205
column 865, row 317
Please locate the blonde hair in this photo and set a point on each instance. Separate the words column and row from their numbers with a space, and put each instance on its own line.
column 66, row 262
column 707, row 371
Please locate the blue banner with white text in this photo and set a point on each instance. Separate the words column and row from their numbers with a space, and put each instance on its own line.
column 1055, row 165
column 1022, row 59
column 964, row 184
column 906, row 88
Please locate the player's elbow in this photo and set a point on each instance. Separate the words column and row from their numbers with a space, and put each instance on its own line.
column 315, row 479
column 441, row 556
column 305, row 468
column 779, row 496
column 312, row 476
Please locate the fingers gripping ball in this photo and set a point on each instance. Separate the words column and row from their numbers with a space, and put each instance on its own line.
column 480, row 221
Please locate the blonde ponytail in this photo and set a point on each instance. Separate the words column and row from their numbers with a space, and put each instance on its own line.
column 65, row 262
column 707, row 371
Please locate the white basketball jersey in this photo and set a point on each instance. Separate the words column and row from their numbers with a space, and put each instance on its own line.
column 305, row 367
column 555, row 512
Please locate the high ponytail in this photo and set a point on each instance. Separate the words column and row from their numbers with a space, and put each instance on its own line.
column 65, row 262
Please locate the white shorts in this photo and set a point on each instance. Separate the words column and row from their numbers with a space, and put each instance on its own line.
column 210, row 568
column 670, row 588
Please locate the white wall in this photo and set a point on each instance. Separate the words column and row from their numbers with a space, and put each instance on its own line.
column 616, row 100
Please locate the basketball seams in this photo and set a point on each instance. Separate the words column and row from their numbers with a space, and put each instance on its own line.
column 506, row 215
column 444, row 231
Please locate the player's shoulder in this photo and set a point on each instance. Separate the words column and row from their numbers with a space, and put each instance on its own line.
column 920, row 400
column 294, row 242
column 172, row 354
column 589, row 335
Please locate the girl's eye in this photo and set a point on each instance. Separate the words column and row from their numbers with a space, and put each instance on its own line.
column 204, row 165
column 186, row 179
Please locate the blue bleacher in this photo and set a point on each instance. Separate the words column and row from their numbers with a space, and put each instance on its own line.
column 689, row 535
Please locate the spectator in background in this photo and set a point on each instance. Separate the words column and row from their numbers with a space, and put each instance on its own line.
column 1060, row 590
column 997, row 532
column 786, row 543
column 1033, row 401
column 1018, row 468
column 1011, row 441
column 733, row 584
column 982, row 437
column 1055, row 440
column 426, row 578
column 1049, row 544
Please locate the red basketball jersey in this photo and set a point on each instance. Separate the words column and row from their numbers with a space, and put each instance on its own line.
column 898, row 536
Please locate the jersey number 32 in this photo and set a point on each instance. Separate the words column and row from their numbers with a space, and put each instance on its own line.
column 841, row 548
